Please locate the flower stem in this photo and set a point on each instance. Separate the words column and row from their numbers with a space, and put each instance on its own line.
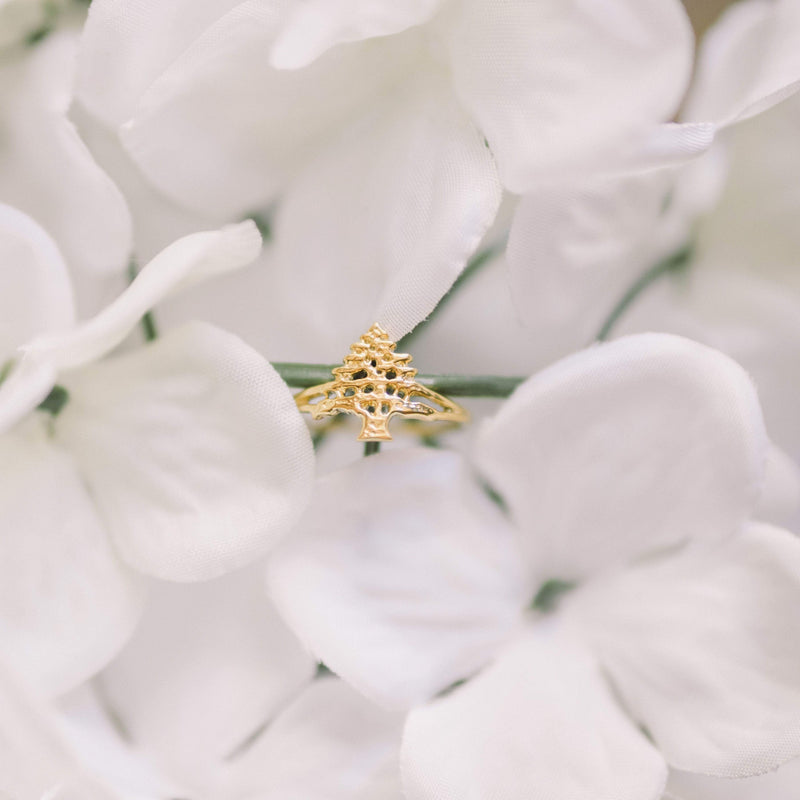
column 370, row 448
column 148, row 321
column 474, row 265
column 302, row 376
column 672, row 263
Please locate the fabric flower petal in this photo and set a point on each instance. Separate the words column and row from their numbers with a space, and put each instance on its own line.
column 402, row 576
column 574, row 250
column 397, row 205
column 749, row 61
column 314, row 27
column 753, row 320
column 193, row 449
column 779, row 785
column 330, row 742
column 224, row 165
column 207, row 667
column 193, row 258
column 67, row 603
column 45, row 168
column 35, row 760
column 537, row 77
column 626, row 449
column 35, row 290
column 539, row 722
column 127, row 44
column 701, row 648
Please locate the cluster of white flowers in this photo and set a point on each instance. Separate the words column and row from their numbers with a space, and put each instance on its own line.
column 591, row 591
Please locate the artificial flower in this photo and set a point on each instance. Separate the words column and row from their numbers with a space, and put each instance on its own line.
column 182, row 459
column 218, row 695
column 370, row 124
column 46, row 170
column 623, row 614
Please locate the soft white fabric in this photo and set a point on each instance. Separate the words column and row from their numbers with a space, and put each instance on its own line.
column 410, row 584
column 702, row 649
column 35, row 760
column 624, row 450
column 651, row 525
column 779, row 785
column 190, row 259
column 126, row 44
column 537, row 76
column 749, row 62
column 753, row 320
column 45, row 168
column 67, row 604
column 538, row 724
column 397, row 205
column 274, row 120
column 752, row 223
column 313, row 27
column 193, row 258
column 574, row 250
column 207, row 667
column 35, row 292
column 329, row 743
column 193, row 449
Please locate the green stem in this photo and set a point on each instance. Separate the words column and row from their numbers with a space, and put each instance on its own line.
column 672, row 263
column 148, row 321
column 302, row 376
column 474, row 265
column 370, row 448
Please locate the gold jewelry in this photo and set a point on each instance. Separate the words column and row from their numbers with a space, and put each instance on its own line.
column 375, row 383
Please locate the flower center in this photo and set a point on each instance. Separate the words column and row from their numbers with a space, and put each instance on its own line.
column 549, row 594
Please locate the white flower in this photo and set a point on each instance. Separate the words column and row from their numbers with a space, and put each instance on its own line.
column 630, row 473
column 779, row 785
column 46, row 169
column 219, row 696
column 187, row 457
column 574, row 250
column 370, row 119
column 36, row 760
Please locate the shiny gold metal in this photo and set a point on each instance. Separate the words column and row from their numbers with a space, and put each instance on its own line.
column 375, row 383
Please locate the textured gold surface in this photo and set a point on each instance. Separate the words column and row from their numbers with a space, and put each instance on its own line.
column 375, row 383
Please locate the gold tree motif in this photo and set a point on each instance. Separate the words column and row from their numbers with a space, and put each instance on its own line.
column 374, row 383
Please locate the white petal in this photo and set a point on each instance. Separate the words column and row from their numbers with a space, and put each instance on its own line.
column 780, row 501
column 574, row 250
column 625, row 449
column 193, row 258
column 779, row 785
column 749, row 62
column 537, row 77
column 67, row 604
column 702, row 649
column 207, row 667
column 35, row 291
column 385, row 219
column 35, row 760
column 29, row 381
column 45, row 168
column 315, row 26
column 762, row 161
column 540, row 722
column 127, row 44
column 227, row 163
column 753, row 320
column 194, row 450
column 402, row 577
column 329, row 743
